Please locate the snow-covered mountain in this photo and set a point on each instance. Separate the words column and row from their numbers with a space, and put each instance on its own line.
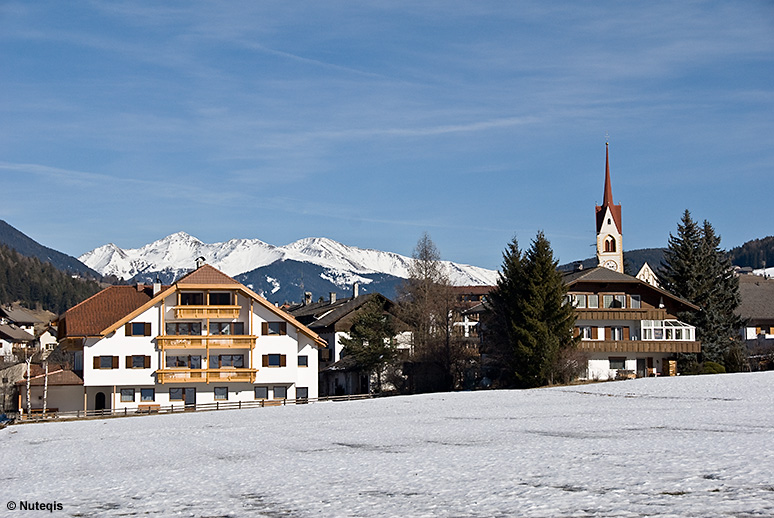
column 339, row 264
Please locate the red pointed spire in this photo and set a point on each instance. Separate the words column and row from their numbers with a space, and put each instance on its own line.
column 607, row 197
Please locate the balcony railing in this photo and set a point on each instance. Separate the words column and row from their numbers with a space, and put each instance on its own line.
column 206, row 375
column 206, row 311
column 640, row 346
column 621, row 313
column 203, row 342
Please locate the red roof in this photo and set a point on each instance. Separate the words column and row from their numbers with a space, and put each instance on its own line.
column 97, row 313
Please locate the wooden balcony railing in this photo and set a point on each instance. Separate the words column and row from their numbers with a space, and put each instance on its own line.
column 621, row 314
column 206, row 311
column 640, row 346
column 203, row 342
column 206, row 375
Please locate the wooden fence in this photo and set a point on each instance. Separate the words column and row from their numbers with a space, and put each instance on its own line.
column 173, row 409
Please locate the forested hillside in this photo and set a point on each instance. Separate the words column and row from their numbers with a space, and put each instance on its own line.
column 754, row 253
column 36, row 284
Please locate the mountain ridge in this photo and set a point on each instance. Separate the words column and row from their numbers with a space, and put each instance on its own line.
column 248, row 260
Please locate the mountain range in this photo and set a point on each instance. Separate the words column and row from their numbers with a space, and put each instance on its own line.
column 284, row 273
column 279, row 273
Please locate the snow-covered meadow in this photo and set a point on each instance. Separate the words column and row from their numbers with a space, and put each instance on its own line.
column 686, row 446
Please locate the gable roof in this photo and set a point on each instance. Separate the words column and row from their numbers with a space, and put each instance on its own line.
column 206, row 275
column 98, row 312
column 19, row 315
column 114, row 306
column 15, row 334
column 605, row 275
column 757, row 298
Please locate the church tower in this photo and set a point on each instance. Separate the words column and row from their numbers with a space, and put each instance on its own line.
column 609, row 235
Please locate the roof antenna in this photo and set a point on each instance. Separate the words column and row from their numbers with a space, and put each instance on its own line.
column 200, row 261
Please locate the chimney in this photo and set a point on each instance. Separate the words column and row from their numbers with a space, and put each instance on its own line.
column 333, row 296
column 307, row 298
column 200, row 261
column 156, row 286
column 355, row 290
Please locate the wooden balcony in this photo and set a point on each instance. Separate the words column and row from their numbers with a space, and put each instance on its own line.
column 621, row 314
column 204, row 342
column 206, row 375
column 640, row 346
column 206, row 311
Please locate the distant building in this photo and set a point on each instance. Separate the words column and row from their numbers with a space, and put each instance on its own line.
column 757, row 308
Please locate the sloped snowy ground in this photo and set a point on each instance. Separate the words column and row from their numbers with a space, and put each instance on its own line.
column 688, row 446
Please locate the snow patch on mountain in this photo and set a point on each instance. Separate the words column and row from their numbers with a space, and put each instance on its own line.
column 176, row 254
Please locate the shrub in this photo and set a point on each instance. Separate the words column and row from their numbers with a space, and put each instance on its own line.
column 712, row 368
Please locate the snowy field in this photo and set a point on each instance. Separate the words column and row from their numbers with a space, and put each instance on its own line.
column 688, row 446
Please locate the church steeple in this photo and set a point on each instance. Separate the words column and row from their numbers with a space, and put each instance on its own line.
column 609, row 229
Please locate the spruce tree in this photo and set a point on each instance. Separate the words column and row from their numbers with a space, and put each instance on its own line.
column 698, row 270
column 531, row 322
column 370, row 340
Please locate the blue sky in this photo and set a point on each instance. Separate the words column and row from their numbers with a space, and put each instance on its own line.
column 373, row 122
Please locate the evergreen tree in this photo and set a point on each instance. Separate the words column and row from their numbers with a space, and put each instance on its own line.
column 370, row 340
column 531, row 324
column 679, row 273
column 698, row 270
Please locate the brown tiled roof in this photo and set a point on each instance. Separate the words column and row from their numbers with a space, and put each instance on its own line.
column 56, row 376
column 757, row 298
column 97, row 313
column 206, row 274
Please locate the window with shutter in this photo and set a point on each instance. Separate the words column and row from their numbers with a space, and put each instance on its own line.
column 274, row 328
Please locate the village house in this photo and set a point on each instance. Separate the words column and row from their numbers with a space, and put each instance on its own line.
column 206, row 338
column 627, row 325
column 332, row 320
column 757, row 309
column 18, row 339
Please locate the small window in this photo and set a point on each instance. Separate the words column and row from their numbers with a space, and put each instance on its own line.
column 192, row 299
column 229, row 360
column 127, row 395
column 607, row 301
column 147, row 394
column 221, row 393
column 580, row 301
column 616, row 333
column 620, row 301
column 274, row 328
column 303, row 361
column 220, row 299
column 175, row 394
column 106, row 362
column 137, row 329
column 635, row 301
column 138, row 361
column 585, row 332
column 617, row 362
column 280, row 392
column 274, row 360
column 261, row 392
column 302, row 393
column 593, row 301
